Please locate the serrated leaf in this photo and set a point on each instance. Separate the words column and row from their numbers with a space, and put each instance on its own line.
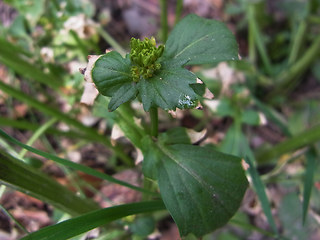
column 200, row 41
column 201, row 188
column 169, row 89
column 110, row 72
column 167, row 84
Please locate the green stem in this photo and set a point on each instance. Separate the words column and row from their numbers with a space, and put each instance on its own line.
column 154, row 121
column 37, row 134
column 90, row 132
column 306, row 138
column 252, row 49
column 25, row 125
column 14, row 219
column 164, row 20
column 288, row 78
column 297, row 42
column 70, row 164
column 179, row 7
column 109, row 39
column 80, row 43
column 312, row 158
column 257, row 37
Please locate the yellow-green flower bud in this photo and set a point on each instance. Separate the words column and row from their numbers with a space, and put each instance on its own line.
column 143, row 56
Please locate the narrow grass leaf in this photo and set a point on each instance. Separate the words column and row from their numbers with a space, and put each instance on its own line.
column 49, row 110
column 70, row 164
column 26, row 125
column 256, row 33
column 260, row 190
column 16, row 174
column 13, row 219
column 86, row 222
column 10, row 56
column 36, row 135
column 250, row 227
column 306, row 138
column 90, row 132
column 274, row 117
column 308, row 181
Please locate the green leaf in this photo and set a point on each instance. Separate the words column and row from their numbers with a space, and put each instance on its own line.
column 250, row 117
column 169, row 89
column 71, row 164
column 308, row 181
column 151, row 156
column 200, row 41
column 290, row 216
column 309, row 136
column 201, row 188
column 24, row 178
column 259, row 188
column 125, row 93
column 143, row 226
column 177, row 135
column 161, row 80
column 234, row 140
column 110, row 72
column 75, row 226
column 10, row 55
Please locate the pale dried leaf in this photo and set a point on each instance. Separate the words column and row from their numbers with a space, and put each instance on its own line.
column 89, row 94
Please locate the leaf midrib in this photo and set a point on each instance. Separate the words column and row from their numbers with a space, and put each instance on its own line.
column 190, row 45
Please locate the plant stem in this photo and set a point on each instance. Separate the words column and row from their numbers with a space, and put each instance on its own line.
column 297, row 42
column 306, row 138
column 254, row 27
column 252, row 50
column 14, row 219
column 37, row 134
column 288, row 78
column 164, row 20
column 113, row 43
column 154, row 121
column 90, row 132
column 179, row 7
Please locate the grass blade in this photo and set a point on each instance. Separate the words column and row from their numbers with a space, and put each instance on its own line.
column 36, row 135
column 308, row 181
column 13, row 219
column 113, row 43
column 63, row 117
column 24, row 178
column 26, row 125
column 256, row 33
column 10, row 57
column 86, row 222
column 70, row 164
column 303, row 139
column 260, row 190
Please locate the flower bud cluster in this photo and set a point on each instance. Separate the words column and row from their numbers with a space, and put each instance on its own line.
column 143, row 56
